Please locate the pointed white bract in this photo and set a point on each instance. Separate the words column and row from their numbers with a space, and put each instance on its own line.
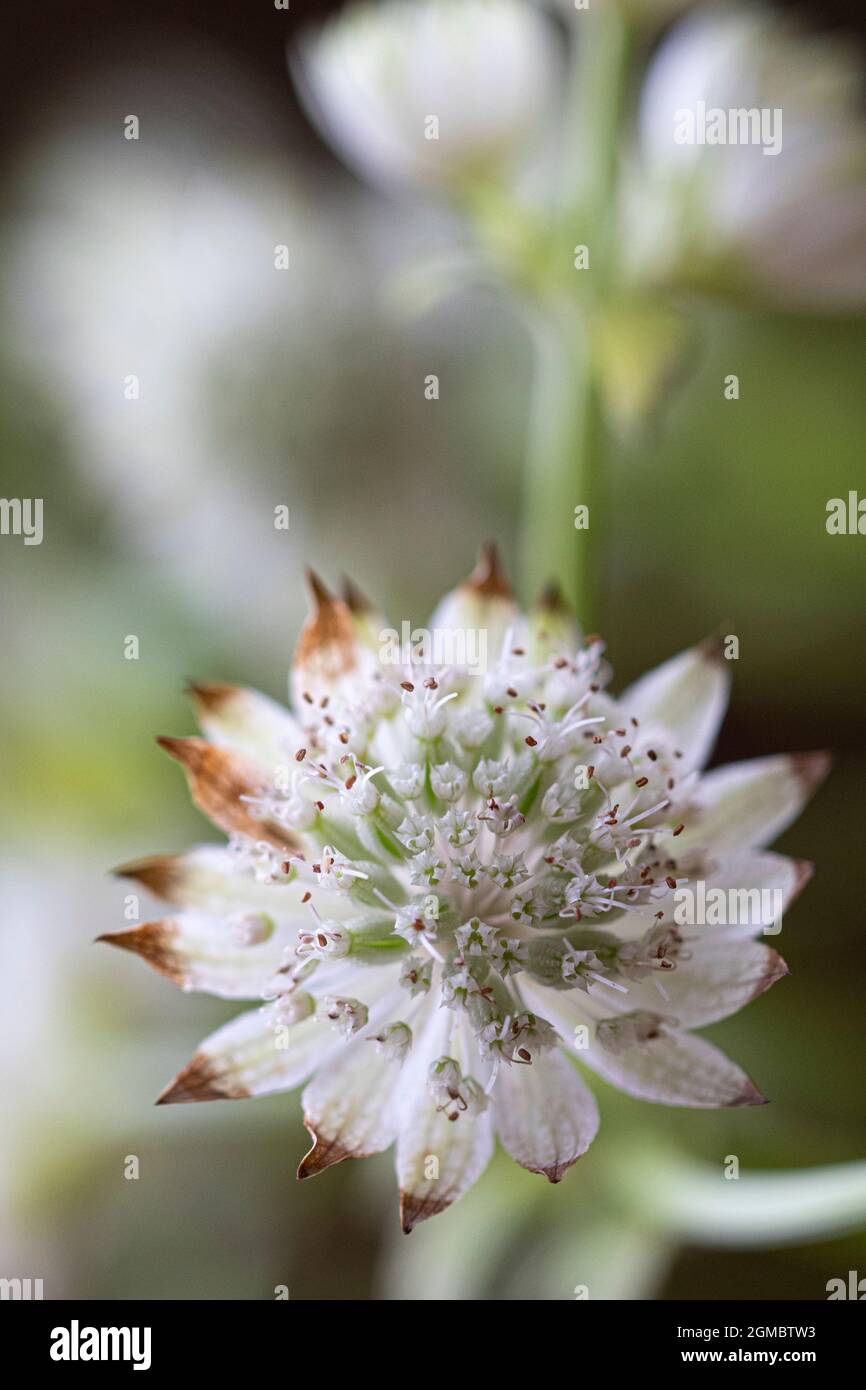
column 467, row 883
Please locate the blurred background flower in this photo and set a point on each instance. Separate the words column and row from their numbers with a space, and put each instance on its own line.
column 444, row 92
column 262, row 387
column 789, row 225
column 657, row 217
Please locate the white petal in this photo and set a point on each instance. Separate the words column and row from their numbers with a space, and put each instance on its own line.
column 477, row 614
column 687, row 698
column 710, row 57
column 199, row 952
column 437, row 1159
column 215, row 880
column 750, row 803
column 243, row 1059
column 771, row 882
column 328, row 658
column 370, row 78
column 722, row 976
column 223, row 783
column 247, row 722
column 253, row 1056
column 545, row 1115
column 675, row 1069
column 551, row 627
column 758, row 888
column 347, row 1107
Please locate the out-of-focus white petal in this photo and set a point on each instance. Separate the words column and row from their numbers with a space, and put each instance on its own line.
column 790, row 224
column 374, row 77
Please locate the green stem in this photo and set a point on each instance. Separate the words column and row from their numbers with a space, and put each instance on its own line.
column 563, row 444
column 565, row 438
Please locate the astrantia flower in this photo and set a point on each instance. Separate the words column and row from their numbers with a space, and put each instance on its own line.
column 433, row 92
column 439, row 886
column 790, row 225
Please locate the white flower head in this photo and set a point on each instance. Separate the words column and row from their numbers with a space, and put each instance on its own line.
column 474, row 991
